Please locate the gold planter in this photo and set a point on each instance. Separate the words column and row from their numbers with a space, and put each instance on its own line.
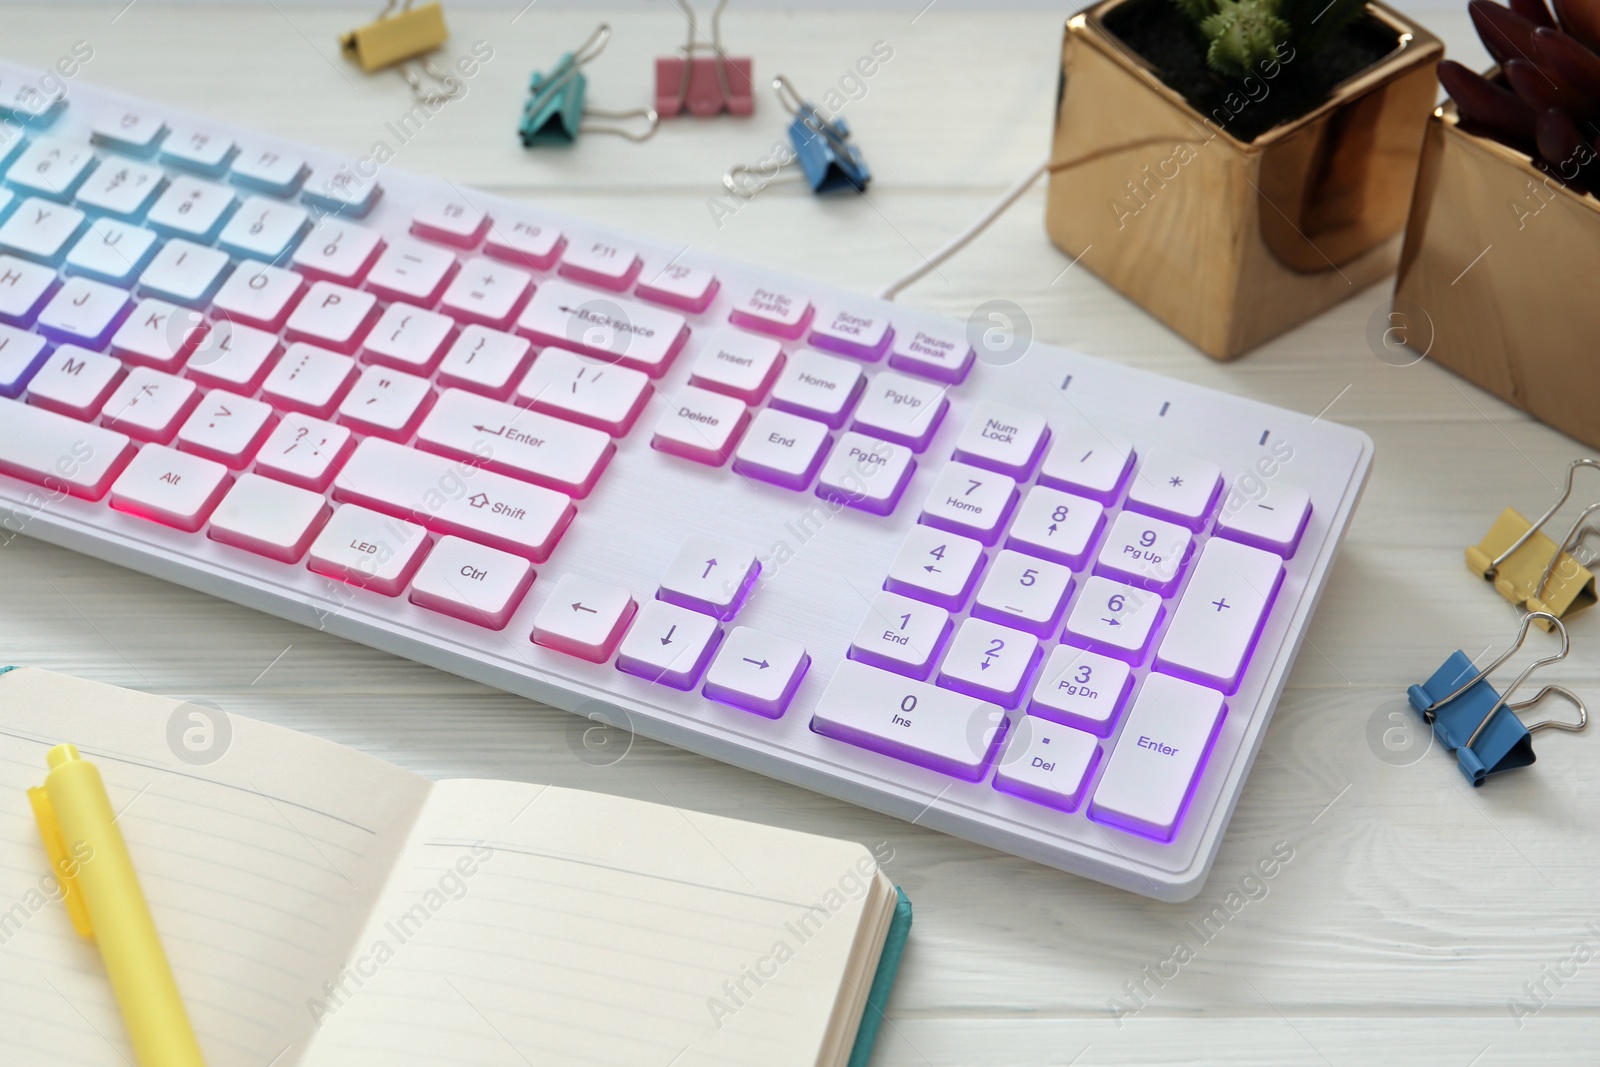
column 1230, row 243
column 1498, row 275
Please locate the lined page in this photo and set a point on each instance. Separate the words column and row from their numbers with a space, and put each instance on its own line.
column 529, row 924
column 260, row 869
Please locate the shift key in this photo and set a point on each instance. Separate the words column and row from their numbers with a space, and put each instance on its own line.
column 453, row 496
column 1152, row 771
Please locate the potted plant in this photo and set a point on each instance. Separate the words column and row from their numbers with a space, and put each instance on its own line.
column 1237, row 166
column 1503, row 248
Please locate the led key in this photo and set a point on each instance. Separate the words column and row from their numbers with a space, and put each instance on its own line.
column 59, row 452
column 1216, row 624
column 970, row 500
column 451, row 222
column 369, row 550
column 233, row 357
column 1272, row 517
column 524, row 242
column 337, row 251
column 680, row 285
column 51, row 167
column 910, row 720
column 408, row 337
column 149, row 405
column 668, row 645
column 1024, row 592
column 185, row 273
column 410, row 270
column 739, row 364
column 1047, row 763
column 1176, row 487
column 226, row 427
column 1003, row 438
column 111, row 251
column 484, row 360
column 700, row 425
column 192, row 208
column 259, row 295
column 942, row 353
column 121, row 187
column 852, row 331
column 23, row 289
column 309, row 379
column 902, row 635
column 386, row 402
column 40, row 229
column 756, row 671
column 940, row 568
column 486, row 292
column 128, row 129
column 269, row 170
column 566, row 384
column 781, row 448
column 1088, row 463
column 989, row 661
column 902, row 409
column 269, row 518
column 170, row 487
column 1145, row 552
column 265, row 229
column 610, row 328
column 599, row 262
column 526, row 444
column 305, row 451
column 83, row 312
column 710, row 576
column 584, row 618
column 1081, row 689
column 1056, row 526
column 472, row 582
column 333, row 316
column 74, row 381
column 772, row 311
column 21, row 355
column 866, row 473
column 819, row 387
column 1150, row 776
column 1113, row 618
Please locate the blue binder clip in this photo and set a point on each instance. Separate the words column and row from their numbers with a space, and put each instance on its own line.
column 1465, row 710
column 822, row 146
column 557, row 102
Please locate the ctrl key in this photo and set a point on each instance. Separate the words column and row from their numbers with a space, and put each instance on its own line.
column 1153, row 770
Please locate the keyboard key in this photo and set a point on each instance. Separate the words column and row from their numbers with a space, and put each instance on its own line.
column 386, row 402
column 942, row 353
column 525, row 444
column 369, row 550
column 1114, row 618
column 128, row 129
column 192, row 208
column 84, row 312
column 1004, row 439
column 1024, row 592
column 584, row 618
column 112, row 251
column 901, row 409
column 699, row 425
column 59, row 452
column 450, row 497
column 259, row 295
column 610, row 328
column 990, row 661
column 21, row 355
column 1272, row 518
column 1216, row 624
column 866, row 473
column 170, row 487
column 408, row 337
column 1086, row 462
column 669, row 645
column 23, row 99
column 269, row 170
column 1047, row 764
column 74, row 382
column 852, row 332
column 121, row 187
column 970, row 500
column 51, row 167
column 566, row 384
column 265, row 229
column 226, row 427
column 486, row 292
column 756, row 671
column 309, row 379
column 781, row 448
column 7, row 197
column 472, row 582
column 940, row 568
column 819, row 387
column 337, row 251
column 233, row 357
column 451, row 222
column 525, row 243
column 1056, row 526
column 12, row 139
column 23, row 289
column 1081, row 689
column 739, row 364
column 41, row 230
column 1150, row 776
column 185, row 273
column 410, row 270
column 772, row 311
column 200, row 150
column 269, row 518
column 304, row 451
column 601, row 263
column 1176, row 487
column 1145, row 552
column 680, row 285
column 340, row 191
column 333, row 316
column 150, row 405
column 485, row 361
column 902, row 635
column 909, row 720
column 710, row 576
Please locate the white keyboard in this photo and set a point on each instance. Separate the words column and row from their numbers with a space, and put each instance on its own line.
column 1046, row 606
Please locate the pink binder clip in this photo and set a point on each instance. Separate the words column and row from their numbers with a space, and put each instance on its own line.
column 703, row 84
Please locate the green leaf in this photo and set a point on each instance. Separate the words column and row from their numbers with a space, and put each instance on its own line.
column 1196, row 10
column 1243, row 34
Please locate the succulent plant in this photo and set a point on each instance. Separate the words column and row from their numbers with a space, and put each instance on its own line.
column 1546, row 99
column 1241, row 35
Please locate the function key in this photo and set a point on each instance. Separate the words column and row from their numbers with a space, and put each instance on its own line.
column 852, row 332
column 1150, row 776
column 710, row 576
column 940, row 568
column 410, row 270
column 668, row 645
column 122, row 187
column 738, row 364
column 269, row 170
column 566, row 384
column 757, row 671
column 821, row 387
column 909, row 720
column 128, row 130
column 584, row 618
column 699, row 425
column 451, row 222
column 1056, row 526
column 1084, row 461
column 1268, row 514
column 1176, row 487
column 51, row 167
column 601, row 263
column 1004, row 439
column 340, row 191
column 525, row 243
column 1082, row 689
column 971, row 501
column 681, row 285
column 192, row 208
column 472, row 582
column 1047, row 764
column 41, row 229
column 866, row 473
column 902, row 635
column 902, row 409
column 772, row 311
column 22, row 100
column 202, row 151
column 941, row 353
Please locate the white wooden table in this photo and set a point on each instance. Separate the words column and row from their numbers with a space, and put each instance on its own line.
column 1414, row 909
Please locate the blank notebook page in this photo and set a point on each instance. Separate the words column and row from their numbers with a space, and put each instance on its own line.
column 260, row 869
column 539, row 925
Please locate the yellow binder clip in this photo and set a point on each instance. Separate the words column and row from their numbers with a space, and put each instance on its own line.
column 397, row 37
column 1528, row 568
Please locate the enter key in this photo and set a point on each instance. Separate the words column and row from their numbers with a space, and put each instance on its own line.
column 1153, row 770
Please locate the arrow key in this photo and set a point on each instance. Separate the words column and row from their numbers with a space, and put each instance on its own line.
column 710, row 576
column 669, row 645
column 757, row 672
column 584, row 618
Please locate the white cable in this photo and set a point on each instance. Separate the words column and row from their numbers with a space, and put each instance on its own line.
column 960, row 240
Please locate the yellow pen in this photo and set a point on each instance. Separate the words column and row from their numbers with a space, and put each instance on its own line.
column 106, row 904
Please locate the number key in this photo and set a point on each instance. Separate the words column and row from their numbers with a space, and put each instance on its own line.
column 1082, row 689
column 901, row 634
column 937, row 567
column 989, row 661
column 970, row 500
column 1114, row 618
column 1024, row 592
column 1145, row 552
column 1056, row 526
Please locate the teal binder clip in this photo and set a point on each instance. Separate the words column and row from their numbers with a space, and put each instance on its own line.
column 557, row 107
column 1479, row 724
column 822, row 146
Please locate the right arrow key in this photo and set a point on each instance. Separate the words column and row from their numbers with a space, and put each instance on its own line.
column 757, row 671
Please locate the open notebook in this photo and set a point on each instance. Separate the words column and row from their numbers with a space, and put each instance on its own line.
column 324, row 908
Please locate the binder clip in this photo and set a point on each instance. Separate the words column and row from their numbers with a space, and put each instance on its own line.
column 397, row 37
column 1528, row 568
column 703, row 85
column 821, row 147
column 556, row 109
column 1479, row 724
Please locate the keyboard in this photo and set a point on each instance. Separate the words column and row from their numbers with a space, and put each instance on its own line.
column 1047, row 606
